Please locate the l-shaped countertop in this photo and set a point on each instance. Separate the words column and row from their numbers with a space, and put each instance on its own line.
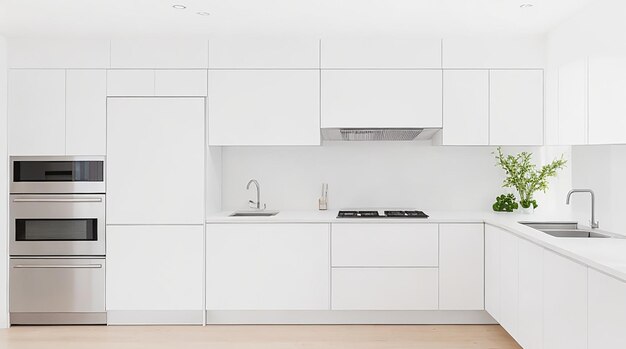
column 605, row 255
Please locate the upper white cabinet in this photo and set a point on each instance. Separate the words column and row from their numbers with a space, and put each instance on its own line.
column 159, row 54
column 388, row 53
column 264, row 54
column 155, row 161
column 493, row 53
column 155, row 268
column 267, row 267
column 381, row 98
column 264, row 107
column 85, row 112
column 607, row 312
column 607, row 100
column 148, row 83
column 572, row 103
column 461, row 266
column 36, row 112
column 465, row 107
column 58, row 54
column 516, row 107
column 564, row 303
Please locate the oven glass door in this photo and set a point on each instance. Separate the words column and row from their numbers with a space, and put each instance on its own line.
column 57, row 225
column 57, row 174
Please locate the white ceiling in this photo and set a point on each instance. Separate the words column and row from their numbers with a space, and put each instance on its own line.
column 320, row 18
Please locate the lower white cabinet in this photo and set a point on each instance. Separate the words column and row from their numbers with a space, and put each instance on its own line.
column 565, row 303
column 154, row 268
column 607, row 312
column 492, row 271
column 384, row 289
column 509, row 283
column 461, row 267
column 267, row 267
column 530, row 295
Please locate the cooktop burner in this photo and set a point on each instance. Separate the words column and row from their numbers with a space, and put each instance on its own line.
column 385, row 214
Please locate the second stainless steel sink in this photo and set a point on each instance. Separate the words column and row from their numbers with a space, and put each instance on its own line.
column 568, row 230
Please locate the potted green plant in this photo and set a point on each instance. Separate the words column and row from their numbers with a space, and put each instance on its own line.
column 523, row 175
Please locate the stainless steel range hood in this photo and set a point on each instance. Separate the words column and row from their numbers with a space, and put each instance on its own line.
column 377, row 134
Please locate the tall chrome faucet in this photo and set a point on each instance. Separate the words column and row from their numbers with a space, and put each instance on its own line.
column 594, row 224
column 252, row 203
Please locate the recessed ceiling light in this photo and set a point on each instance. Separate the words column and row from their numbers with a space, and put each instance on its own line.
column 203, row 13
column 179, row 7
column 526, row 5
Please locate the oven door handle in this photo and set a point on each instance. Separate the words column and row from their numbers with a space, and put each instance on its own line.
column 59, row 200
column 64, row 266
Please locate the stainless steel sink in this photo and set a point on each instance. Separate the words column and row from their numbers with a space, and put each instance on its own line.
column 569, row 230
column 254, row 213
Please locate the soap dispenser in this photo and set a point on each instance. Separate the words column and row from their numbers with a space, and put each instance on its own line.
column 323, row 200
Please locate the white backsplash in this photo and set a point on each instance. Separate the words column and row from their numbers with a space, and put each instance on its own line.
column 377, row 174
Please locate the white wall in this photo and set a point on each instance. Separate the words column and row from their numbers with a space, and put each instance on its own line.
column 376, row 174
column 3, row 186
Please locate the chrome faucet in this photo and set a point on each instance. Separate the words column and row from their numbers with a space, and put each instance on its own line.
column 594, row 224
column 256, row 204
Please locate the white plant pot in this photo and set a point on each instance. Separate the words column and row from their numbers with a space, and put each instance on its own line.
column 529, row 210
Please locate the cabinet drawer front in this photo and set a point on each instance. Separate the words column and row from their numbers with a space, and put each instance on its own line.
column 180, row 83
column 385, row 245
column 130, row 83
column 384, row 289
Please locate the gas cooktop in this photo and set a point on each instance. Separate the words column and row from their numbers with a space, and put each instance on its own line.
column 381, row 214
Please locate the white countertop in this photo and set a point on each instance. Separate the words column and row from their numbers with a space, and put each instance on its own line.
column 605, row 255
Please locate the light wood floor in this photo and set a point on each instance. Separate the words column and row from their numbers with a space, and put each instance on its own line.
column 257, row 337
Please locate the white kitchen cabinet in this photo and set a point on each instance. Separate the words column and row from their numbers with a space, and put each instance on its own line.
column 572, row 103
column 264, row 107
column 185, row 83
column 607, row 311
column 530, row 304
column 380, row 53
column 130, row 83
column 155, row 161
column 465, row 107
column 49, row 53
column 267, row 267
column 385, row 245
column 509, row 283
column 493, row 53
column 85, row 114
column 381, row 98
column 607, row 100
column 564, row 303
column 461, row 267
column 263, row 54
column 492, row 271
column 384, row 289
column 159, row 54
column 156, row 268
column 516, row 107
column 36, row 112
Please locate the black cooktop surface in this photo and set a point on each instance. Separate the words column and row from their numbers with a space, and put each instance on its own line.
column 382, row 214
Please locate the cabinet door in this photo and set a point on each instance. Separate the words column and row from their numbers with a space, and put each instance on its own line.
column 381, row 98
column 516, row 103
column 530, row 326
column 159, row 54
column 385, row 245
column 509, row 278
column 155, row 161
column 36, row 112
column 263, row 53
column 607, row 312
column 264, row 107
column 132, row 83
column 492, row 271
column 607, row 100
column 85, row 118
column 381, row 53
column 572, row 103
column 384, row 289
column 466, row 107
column 461, row 267
column 564, row 303
column 185, row 83
column 154, row 268
column 267, row 267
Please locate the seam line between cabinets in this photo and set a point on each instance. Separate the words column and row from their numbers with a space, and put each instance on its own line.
column 489, row 107
column 438, row 266
column 385, row 267
column 204, row 207
column 330, row 267
column 65, row 112
column 587, row 102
